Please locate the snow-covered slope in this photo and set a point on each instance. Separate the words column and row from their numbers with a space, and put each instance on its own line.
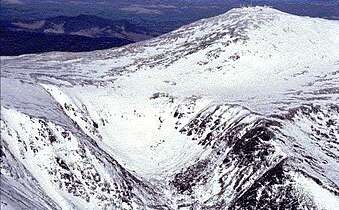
column 238, row 111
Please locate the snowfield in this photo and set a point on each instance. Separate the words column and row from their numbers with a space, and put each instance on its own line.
column 238, row 111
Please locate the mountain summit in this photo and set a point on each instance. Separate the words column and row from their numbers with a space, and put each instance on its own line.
column 238, row 111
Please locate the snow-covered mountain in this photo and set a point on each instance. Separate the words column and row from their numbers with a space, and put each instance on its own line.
column 239, row 111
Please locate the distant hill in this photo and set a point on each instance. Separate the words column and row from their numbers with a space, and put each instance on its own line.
column 23, row 42
column 71, row 34
column 86, row 25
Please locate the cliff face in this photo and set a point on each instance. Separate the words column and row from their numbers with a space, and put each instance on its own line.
column 238, row 111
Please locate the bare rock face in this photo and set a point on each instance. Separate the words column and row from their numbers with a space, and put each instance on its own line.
column 238, row 111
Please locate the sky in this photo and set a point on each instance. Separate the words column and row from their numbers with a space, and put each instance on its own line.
column 315, row 8
column 169, row 1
